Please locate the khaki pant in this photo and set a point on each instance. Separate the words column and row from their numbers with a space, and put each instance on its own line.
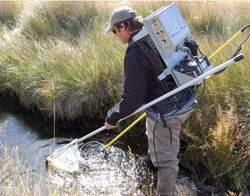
column 164, row 145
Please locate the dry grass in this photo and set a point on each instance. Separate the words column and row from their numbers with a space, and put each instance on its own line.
column 221, row 145
column 17, row 179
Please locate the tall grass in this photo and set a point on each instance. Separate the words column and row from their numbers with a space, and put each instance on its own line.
column 221, row 145
column 58, row 51
column 83, row 73
column 58, row 19
column 82, row 82
column 17, row 179
column 9, row 11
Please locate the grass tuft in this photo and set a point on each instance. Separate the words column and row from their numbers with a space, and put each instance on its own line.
column 66, row 20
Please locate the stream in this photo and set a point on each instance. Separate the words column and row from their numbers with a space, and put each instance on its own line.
column 123, row 166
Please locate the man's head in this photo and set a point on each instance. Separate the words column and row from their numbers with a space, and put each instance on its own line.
column 123, row 22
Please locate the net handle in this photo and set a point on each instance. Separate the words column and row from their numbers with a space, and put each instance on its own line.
column 91, row 134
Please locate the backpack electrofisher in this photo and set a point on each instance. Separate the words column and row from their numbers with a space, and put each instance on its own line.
column 165, row 38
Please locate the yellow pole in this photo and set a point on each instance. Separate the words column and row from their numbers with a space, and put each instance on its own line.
column 225, row 45
column 144, row 114
column 124, row 131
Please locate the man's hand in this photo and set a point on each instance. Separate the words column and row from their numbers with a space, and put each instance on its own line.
column 109, row 126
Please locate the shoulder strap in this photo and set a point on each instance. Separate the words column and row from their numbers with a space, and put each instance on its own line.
column 150, row 54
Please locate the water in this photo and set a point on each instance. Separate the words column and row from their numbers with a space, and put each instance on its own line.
column 115, row 171
column 106, row 172
column 32, row 149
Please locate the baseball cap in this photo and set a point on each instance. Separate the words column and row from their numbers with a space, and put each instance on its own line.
column 120, row 14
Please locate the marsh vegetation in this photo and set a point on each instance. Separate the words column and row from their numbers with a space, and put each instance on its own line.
column 57, row 52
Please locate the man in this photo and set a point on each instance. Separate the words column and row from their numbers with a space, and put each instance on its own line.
column 141, row 86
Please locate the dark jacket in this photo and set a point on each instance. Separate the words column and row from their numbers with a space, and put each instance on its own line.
column 139, row 85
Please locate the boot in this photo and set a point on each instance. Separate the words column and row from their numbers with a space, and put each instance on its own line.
column 166, row 181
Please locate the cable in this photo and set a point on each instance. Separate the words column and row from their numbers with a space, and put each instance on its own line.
column 156, row 157
column 239, row 47
column 200, row 51
column 171, row 138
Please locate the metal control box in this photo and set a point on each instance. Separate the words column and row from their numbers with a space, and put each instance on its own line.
column 165, row 30
column 167, row 27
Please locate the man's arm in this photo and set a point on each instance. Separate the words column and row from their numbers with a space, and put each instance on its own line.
column 134, row 94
